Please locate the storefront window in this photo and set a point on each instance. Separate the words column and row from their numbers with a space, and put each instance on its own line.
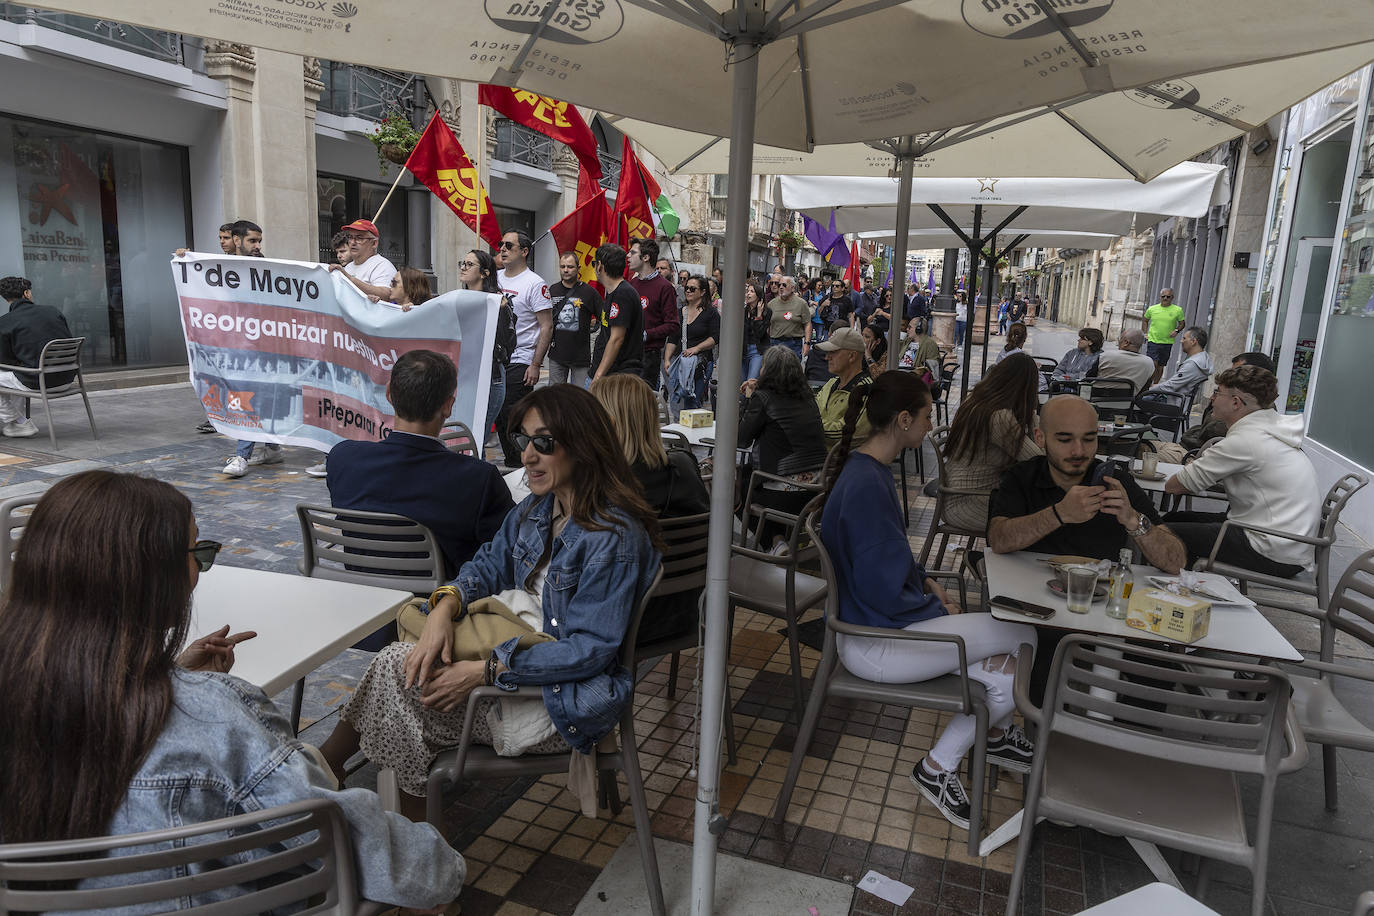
column 92, row 221
column 342, row 200
column 1342, row 387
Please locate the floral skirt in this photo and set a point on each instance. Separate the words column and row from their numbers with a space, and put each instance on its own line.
column 400, row 732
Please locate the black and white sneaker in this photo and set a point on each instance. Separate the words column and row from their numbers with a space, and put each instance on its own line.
column 1013, row 751
column 945, row 792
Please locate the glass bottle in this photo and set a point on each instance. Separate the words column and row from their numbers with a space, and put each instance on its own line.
column 1122, row 580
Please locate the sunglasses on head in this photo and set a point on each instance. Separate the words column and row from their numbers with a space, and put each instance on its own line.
column 205, row 552
column 543, row 444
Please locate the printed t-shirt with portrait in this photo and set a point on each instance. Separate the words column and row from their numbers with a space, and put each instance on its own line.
column 375, row 271
column 528, row 296
column 789, row 318
column 1163, row 319
column 576, row 310
column 621, row 309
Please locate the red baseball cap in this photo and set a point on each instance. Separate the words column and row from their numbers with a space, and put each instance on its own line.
column 364, row 225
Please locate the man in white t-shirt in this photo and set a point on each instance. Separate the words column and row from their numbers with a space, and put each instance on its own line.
column 368, row 271
column 529, row 300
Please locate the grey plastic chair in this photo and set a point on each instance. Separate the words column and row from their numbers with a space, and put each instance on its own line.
column 1109, row 395
column 1162, row 410
column 318, row 874
column 1315, row 585
column 939, row 527
column 457, row 437
column 1365, row 905
column 366, row 548
column 1324, row 719
column 58, row 356
column 775, row 584
column 671, row 438
column 955, row 693
column 13, row 519
column 683, row 568
column 1135, row 745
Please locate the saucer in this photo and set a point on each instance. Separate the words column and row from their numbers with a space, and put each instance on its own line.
column 1099, row 593
column 1141, row 475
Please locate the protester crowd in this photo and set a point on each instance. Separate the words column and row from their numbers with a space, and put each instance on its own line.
column 568, row 564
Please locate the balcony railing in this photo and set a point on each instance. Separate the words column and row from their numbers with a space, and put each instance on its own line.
column 517, row 143
column 718, row 207
column 365, row 92
column 166, row 46
column 610, row 170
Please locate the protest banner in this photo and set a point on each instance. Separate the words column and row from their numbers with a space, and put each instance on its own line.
column 290, row 352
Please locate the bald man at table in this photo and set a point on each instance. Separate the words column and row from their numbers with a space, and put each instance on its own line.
column 1047, row 504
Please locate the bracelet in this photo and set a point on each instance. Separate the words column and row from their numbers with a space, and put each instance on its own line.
column 1055, row 510
column 443, row 590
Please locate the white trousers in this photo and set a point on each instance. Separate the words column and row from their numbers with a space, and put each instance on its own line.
column 11, row 406
column 898, row 661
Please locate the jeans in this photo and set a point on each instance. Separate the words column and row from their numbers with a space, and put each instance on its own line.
column 792, row 343
column 515, row 390
column 1198, row 531
column 496, row 397
column 753, row 359
column 244, row 448
column 700, row 396
column 653, row 368
column 891, row 661
column 576, row 375
column 959, row 327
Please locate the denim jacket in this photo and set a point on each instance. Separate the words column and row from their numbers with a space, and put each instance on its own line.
column 594, row 582
column 226, row 750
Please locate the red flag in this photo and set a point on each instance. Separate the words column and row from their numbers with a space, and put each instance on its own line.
column 549, row 117
column 587, row 186
column 853, row 273
column 439, row 163
column 634, row 210
column 582, row 232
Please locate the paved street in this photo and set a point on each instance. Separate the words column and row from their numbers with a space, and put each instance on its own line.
column 855, row 810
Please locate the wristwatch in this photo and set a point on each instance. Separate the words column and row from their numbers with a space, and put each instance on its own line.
column 1142, row 528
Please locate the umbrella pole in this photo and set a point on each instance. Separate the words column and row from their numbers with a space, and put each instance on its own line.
column 974, row 249
column 906, row 164
column 708, row 822
column 987, row 315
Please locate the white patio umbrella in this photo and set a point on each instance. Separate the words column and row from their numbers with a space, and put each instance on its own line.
column 919, row 239
column 659, row 60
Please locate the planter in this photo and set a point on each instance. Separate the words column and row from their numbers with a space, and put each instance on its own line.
column 393, row 153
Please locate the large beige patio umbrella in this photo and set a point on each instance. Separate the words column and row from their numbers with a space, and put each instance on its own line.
column 699, row 64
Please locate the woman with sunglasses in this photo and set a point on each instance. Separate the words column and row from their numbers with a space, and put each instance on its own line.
column 574, row 557
column 700, row 332
column 477, row 271
column 108, row 729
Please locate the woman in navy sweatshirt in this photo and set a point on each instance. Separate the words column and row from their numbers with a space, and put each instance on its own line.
column 882, row 585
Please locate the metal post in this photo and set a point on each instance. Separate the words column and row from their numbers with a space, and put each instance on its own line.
column 708, row 822
column 974, row 252
column 987, row 314
column 906, row 165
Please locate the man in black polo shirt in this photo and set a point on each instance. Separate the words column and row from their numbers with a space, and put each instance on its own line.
column 620, row 345
column 24, row 331
column 1047, row 505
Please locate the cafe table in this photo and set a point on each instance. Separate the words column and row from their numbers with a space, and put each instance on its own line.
column 1238, row 628
column 1156, row 487
column 695, row 434
column 301, row 622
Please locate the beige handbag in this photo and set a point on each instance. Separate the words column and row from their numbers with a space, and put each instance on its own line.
column 484, row 624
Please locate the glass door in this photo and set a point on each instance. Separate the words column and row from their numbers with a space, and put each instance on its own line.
column 1302, row 321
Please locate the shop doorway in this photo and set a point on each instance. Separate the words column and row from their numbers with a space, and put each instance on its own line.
column 1302, row 320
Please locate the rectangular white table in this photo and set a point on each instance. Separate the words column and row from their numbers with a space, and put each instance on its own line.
column 301, row 623
column 1241, row 629
column 694, row 434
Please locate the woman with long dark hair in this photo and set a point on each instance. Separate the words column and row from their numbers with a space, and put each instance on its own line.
column 477, row 271
column 573, row 559
column 108, row 728
column 409, row 288
column 1016, row 341
column 756, row 339
column 881, row 584
column 700, row 334
column 992, row 430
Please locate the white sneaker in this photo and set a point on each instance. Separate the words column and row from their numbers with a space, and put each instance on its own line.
column 19, row 429
column 272, row 454
column 317, row 470
column 236, row 467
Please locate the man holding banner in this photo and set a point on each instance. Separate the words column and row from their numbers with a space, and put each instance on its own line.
column 368, row 271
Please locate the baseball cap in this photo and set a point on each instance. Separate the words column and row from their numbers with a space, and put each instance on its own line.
column 363, row 225
column 844, row 339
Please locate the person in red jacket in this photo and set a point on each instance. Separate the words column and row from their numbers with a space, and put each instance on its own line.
column 658, row 298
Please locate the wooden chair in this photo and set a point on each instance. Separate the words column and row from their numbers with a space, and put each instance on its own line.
column 248, row 853
column 58, row 357
column 458, row 438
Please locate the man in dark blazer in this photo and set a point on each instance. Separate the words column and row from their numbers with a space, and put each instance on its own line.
column 462, row 499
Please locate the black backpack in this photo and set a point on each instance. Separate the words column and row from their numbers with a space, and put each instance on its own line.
column 505, row 332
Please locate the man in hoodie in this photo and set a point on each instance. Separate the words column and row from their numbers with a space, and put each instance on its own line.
column 1268, row 479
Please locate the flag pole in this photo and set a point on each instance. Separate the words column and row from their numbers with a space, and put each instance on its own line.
column 400, row 173
column 481, row 148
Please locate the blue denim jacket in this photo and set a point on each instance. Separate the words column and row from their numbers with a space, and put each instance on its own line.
column 595, row 580
column 226, row 750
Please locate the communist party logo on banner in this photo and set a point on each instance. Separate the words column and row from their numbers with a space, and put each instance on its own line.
column 582, row 232
column 439, row 163
column 550, row 117
column 634, row 214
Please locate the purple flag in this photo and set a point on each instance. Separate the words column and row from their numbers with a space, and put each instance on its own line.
column 931, row 283
column 827, row 241
column 888, row 281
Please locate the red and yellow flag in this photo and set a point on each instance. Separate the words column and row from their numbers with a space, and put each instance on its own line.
column 634, row 211
column 582, row 232
column 439, row 163
column 549, row 117
column 854, row 272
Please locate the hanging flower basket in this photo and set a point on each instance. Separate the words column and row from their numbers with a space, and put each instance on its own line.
column 394, row 139
column 391, row 152
column 791, row 239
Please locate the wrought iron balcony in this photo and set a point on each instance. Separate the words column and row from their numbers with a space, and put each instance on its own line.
column 517, row 143
column 610, row 170
column 366, row 92
column 166, row 46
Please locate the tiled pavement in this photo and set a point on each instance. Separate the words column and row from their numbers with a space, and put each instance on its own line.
column 530, row 851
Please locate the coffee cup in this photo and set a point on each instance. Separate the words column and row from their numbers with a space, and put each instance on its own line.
column 1149, row 463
